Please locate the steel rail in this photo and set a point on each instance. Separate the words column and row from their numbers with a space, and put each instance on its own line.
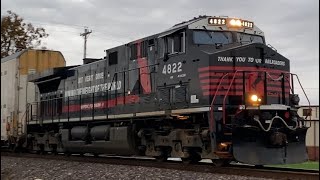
column 233, row 169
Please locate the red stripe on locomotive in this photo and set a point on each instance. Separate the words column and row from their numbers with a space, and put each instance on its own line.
column 144, row 71
column 102, row 104
column 254, row 81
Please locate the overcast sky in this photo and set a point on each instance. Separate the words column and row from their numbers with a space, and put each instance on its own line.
column 291, row 26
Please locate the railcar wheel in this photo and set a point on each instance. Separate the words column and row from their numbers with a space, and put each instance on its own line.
column 162, row 158
column 221, row 162
column 40, row 149
column 95, row 154
column 164, row 154
column 14, row 148
column 194, row 158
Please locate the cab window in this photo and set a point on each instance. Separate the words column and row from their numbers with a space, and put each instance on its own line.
column 249, row 38
column 212, row 37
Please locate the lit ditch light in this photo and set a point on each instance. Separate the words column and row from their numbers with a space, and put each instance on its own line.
column 255, row 100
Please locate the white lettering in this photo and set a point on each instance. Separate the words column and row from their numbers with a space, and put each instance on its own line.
column 94, row 88
column 258, row 60
column 172, row 68
column 99, row 76
column 80, row 80
column 241, row 59
column 225, row 59
column 274, row 62
column 88, row 78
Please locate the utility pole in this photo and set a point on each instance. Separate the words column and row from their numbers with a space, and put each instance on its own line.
column 85, row 35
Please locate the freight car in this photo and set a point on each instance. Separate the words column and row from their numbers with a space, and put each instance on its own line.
column 206, row 88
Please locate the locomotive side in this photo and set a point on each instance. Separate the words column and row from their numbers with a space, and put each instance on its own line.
column 206, row 88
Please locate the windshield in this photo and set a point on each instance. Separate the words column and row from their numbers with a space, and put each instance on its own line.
column 212, row 37
column 249, row 38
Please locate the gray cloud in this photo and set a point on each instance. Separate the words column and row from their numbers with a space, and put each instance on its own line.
column 291, row 26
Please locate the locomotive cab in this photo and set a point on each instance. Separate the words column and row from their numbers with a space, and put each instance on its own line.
column 250, row 90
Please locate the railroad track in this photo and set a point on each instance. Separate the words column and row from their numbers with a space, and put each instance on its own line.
column 233, row 169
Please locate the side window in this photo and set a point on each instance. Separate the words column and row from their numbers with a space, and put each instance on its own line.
column 179, row 42
column 161, row 47
column 143, row 48
column 133, row 51
column 174, row 43
column 113, row 58
column 151, row 42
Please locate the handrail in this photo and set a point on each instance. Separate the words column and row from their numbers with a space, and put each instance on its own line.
column 24, row 116
column 225, row 97
column 302, row 89
column 230, row 85
column 27, row 109
column 270, row 46
column 212, row 102
column 303, row 93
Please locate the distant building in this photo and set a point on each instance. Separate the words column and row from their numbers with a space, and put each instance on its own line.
column 16, row 91
column 312, row 120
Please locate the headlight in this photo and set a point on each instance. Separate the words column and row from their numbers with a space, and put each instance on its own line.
column 232, row 22
column 240, row 23
column 235, row 22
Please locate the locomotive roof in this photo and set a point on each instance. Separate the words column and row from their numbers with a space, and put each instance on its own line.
column 49, row 74
column 185, row 23
column 201, row 22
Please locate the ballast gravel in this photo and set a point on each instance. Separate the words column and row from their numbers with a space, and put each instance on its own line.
column 43, row 169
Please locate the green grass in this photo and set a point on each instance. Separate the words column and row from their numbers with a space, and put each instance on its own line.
column 313, row 165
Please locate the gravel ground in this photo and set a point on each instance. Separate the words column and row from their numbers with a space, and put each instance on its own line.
column 39, row 169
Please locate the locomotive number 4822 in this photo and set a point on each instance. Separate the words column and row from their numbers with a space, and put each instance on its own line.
column 172, row 68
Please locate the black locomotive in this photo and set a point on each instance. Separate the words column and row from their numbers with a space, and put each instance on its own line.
column 207, row 88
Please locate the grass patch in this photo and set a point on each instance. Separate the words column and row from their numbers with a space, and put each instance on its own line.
column 313, row 165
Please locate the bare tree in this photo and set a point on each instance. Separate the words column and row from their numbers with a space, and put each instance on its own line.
column 17, row 35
